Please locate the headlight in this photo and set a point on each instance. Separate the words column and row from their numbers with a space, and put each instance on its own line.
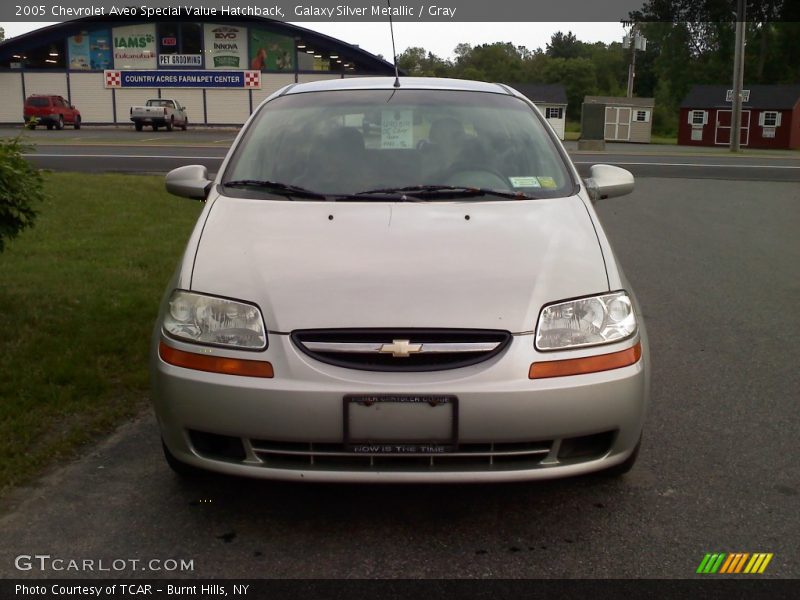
column 217, row 321
column 586, row 322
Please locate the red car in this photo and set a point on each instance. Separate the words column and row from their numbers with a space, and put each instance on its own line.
column 53, row 111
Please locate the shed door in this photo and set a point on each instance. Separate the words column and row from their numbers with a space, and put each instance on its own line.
column 618, row 123
column 722, row 130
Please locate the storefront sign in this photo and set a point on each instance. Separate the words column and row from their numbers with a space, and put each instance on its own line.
column 270, row 51
column 248, row 80
column 135, row 46
column 90, row 50
column 180, row 60
column 226, row 46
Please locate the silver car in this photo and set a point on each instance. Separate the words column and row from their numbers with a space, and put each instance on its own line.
column 399, row 281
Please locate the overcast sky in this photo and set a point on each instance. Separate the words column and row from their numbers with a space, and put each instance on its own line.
column 439, row 38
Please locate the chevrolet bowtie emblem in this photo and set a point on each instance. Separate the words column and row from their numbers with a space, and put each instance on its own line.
column 400, row 348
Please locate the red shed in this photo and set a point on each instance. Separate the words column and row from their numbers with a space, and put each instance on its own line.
column 770, row 116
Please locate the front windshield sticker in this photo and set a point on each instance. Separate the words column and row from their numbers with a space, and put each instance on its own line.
column 547, row 182
column 397, row 129
column 524, row 181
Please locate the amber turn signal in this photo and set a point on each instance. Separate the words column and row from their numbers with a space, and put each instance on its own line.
column 588, row 364
column 214, row 364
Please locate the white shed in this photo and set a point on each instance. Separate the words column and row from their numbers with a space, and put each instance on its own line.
column 627, row 119
column 551, row 99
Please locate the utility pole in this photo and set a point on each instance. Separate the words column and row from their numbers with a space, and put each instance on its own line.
column 636, row 42
column 738, row 77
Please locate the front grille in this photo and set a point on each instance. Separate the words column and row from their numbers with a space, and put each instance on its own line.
column 401, row 349
column 468, row 457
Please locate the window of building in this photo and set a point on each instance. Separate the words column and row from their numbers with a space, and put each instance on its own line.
column 698, row 117
column 180, row 44
column 770, row 118
column 554, row 112
column 643, row 116
column 47, row 56
column 191, row 38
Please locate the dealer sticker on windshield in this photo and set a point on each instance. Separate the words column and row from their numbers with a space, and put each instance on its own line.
column 547, row 182
column 524, row 181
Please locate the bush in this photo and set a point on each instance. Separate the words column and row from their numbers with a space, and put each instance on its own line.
column 20, row 188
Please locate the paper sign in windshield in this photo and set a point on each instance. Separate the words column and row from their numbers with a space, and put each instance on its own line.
column 397, row 129
column 524, row 181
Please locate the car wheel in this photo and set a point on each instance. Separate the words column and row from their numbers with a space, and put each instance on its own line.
column 180, row 468
column 170, row 123
column 185, row 124
column 138, row 126
column 60, row 124
column 155, row 127
column 77, row 124
column 49, row 126
column 624, row 467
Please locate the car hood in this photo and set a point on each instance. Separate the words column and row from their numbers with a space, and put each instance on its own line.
column 465, row 264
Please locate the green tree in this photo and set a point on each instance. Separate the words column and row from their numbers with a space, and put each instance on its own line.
column 421, row 63
column 577, row 75
column 564, row 46
column 21, row 187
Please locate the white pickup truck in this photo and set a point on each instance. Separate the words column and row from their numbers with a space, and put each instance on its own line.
column 159, row 112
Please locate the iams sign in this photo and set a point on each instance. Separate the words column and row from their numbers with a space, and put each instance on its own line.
column 141, row 41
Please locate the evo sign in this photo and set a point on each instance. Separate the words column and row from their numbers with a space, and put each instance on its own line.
column 247, row 80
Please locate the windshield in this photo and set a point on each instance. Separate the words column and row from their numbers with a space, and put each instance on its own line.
column 379, row 141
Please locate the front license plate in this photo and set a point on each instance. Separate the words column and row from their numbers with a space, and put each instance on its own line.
column 389, row 424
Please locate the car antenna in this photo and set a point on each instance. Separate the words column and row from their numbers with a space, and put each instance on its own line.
column 394, row 50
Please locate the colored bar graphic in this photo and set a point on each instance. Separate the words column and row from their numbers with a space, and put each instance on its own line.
column 767, row 558
column 727, row 565
column 733, row 563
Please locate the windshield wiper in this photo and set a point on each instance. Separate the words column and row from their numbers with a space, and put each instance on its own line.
column 446, row 191
column 276, row 187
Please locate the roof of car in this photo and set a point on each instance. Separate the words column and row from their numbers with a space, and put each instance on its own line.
column 387, row 83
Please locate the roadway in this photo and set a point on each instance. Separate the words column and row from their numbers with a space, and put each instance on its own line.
column 124, row 150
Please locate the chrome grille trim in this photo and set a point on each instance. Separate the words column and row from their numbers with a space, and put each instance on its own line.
column 375, row 348
column 401, row 349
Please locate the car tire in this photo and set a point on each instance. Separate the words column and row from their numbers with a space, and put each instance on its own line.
column 170, row 123
column 138, row 126
column 60, row 124
column 49, row 127
column 77, row 124
column 627, row 465
column 155, row 127
column 178, row 467
column 185, row 124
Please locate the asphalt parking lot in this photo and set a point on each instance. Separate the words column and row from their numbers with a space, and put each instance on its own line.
column 714, row 263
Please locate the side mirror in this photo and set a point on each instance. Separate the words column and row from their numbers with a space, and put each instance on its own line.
column 190, row 181
column 606, row 181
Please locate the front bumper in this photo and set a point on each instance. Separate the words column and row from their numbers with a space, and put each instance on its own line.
column 510, row 428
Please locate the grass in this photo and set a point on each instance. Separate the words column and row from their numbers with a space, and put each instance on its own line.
column 79, row 295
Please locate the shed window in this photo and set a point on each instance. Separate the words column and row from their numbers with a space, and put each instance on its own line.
column 770, row 118
column 554, row 112
column 643, row 116
column 698, row 117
